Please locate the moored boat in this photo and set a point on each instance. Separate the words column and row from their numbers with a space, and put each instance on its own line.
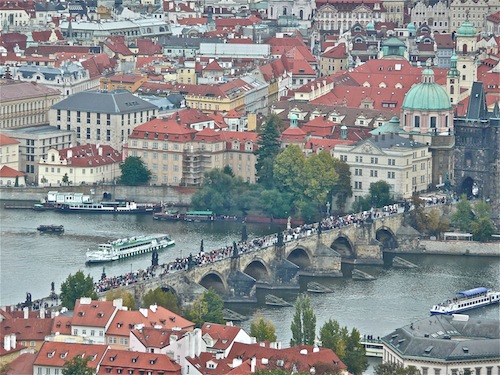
column 467, row 300
column 128, row 247
column 118, row 207
column 51, row 228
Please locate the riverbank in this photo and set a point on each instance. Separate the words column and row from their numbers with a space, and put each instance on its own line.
column 470, row 248
column 179, row 196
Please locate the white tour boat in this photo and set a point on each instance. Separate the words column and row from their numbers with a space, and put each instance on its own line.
column 128, row 247
column 118, row 207
column 467, row 300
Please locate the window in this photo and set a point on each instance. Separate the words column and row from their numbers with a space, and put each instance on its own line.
column 75, row 332
column 433, row 122
column 359, row 159
column 358, row 185
column 391, row 161
column 373, row 173
column 358, row 172
column 425, row 371
column 374, row 160
column 108, row 135
column 88, row 133
column 391, row 174
column 417, row 122
column 98, row 119
column 108, row 119
column 88, row 117
column 343, row 157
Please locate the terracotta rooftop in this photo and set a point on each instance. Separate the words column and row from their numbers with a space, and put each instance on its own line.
column 6, row 171
column 5, row 141
column 55, row 354
column 13, row 90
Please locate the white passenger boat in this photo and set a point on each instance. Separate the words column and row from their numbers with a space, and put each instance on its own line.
column 118, row 207
column 467, row 300
column 128, row 247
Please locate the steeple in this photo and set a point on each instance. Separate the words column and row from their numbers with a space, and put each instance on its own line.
column 453, row 71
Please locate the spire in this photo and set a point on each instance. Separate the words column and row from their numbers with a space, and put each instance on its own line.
column 453, row 72
column 496, row 110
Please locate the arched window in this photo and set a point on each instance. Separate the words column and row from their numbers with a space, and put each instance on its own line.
column 464, row 48
column 284, row 11
column 271, row 11
column 452, row 90
column 301, row 14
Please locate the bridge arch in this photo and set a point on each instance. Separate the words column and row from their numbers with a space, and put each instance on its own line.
column 387, row 238
column 300, row 256
column 214, row 280
column 344, row 246
column 258, row 269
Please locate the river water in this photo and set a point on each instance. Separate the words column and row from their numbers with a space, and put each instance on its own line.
column 30, row 261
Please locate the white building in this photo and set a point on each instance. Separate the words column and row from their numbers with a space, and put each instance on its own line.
column 87, row 164
column 446, row 345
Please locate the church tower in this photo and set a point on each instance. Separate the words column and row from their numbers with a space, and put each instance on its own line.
column 466, row 49
column 453, row 81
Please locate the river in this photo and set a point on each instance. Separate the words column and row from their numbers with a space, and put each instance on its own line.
column 30, row 261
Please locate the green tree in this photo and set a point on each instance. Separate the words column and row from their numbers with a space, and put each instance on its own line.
column 392, row 368
column 434, row 223
column 288, row 171
column 268, row 148
column 65, row 179
column 324, row 368
column 208, row 308
column 262, row 330
column 159, row 297
column 134, row 172
column 355, row 358
column 319, row 177
column 77, row 366
column 347, row 345
column 215, row 193
column 342, row 189
column 126, row 296
column 16, row 183
column 5, row 368
column 330, row 335
column 380, row 194
column 275, row 204
column 303, row 324
column 362, row 204
column 463, row 216
column 482, row 229
column 75, row 287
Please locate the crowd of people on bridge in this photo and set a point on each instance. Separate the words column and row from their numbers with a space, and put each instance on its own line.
column 290, row 234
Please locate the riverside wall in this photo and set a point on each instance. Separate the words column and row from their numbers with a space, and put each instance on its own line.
column 471, row 248
column 179, row 196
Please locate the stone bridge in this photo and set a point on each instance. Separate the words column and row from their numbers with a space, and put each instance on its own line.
column 280, row 265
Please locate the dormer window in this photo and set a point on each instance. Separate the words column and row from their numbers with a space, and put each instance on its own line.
column 134, row 360
column 63, row 355
column 81, row 313
column 51, row 354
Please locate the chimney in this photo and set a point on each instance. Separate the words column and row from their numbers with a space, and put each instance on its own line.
column 42, row 313
column 253, row 364
column 99, row 151
column 237, row 362
column 26, row 312
column 118, row 303
column 70, row 154
column 13, row 340
column 144, row 312
column 153, row 308
column 6, row 343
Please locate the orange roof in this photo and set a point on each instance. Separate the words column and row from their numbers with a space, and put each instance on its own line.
column 22, row 364
column 214, row 65
column 158, row 338
column 223, row 335
column 319, row 127
column 26, row 329
column 193, row 21
column 135, row 362
column 90, row 155
column 93, row 314
column 6, row 171
column 4, row 140
column 55, row 354
column 208, row 135
column 167, row 128
column 326, row 144
column 124, row 321
column 61, row 324
column 337, row 52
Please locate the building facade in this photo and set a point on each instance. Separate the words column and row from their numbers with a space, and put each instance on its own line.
column 34, row 144
column 25, row 103
column 101, row 117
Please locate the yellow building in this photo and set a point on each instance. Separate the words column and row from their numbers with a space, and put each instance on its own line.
column 9, row 152
column 129, row 82
column 187, row 73
column 333, row 60
column 25, row 103
column 225, row 97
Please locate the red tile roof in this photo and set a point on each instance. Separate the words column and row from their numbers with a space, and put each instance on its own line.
column 55, row 354
column 4, row 140
column 319, row 127
column 193, row 21
column 90, row 155
column 214, row 66
column 61, row 324
column 223, row 335
column 337, row 52
column 293, row 135
column 14, row 90
column 94, row 314
column 6, row 171
column 208, row 135
column 325, row 144
column 148, row 47
column 22, row 364
column 153, row 363
column 26, row 329
column 124, row 321
column 117, row 45
column 157, row 338
column 44, row 36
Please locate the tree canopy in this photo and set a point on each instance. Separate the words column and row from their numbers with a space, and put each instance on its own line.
column 347, row 345
column 126, row 296
column 391, row 368
column 75, row 287
column 159, row 297
column 134, row 172
column 262, row 330
column 303, row 324
column 208, row 308
column 77, row 366
column 269, row 147
column 342, row 189
column 475, row 219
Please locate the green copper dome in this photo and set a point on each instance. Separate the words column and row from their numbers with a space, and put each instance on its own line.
column 467, row 29
column 427, row 95
column 370, row 27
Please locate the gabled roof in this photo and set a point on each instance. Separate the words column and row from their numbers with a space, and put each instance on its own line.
column 319, row 127
column 61, row 324
column 124, row 321
column 5, row 141
column 22, row 364
column 207, row 364
column 214, row 65
column 93, row 314
column 135, row 361
column 55, row 354
column 44, row 36
column 14, row 90
column 157, row 338
column 90, row 155
column 148, row 47
column 6, row 171
column 241, row 137
column 164, row 129
column 26, row 329
column 208, row 135
column 223, row 335
column 337, row 52
column 190, row 116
